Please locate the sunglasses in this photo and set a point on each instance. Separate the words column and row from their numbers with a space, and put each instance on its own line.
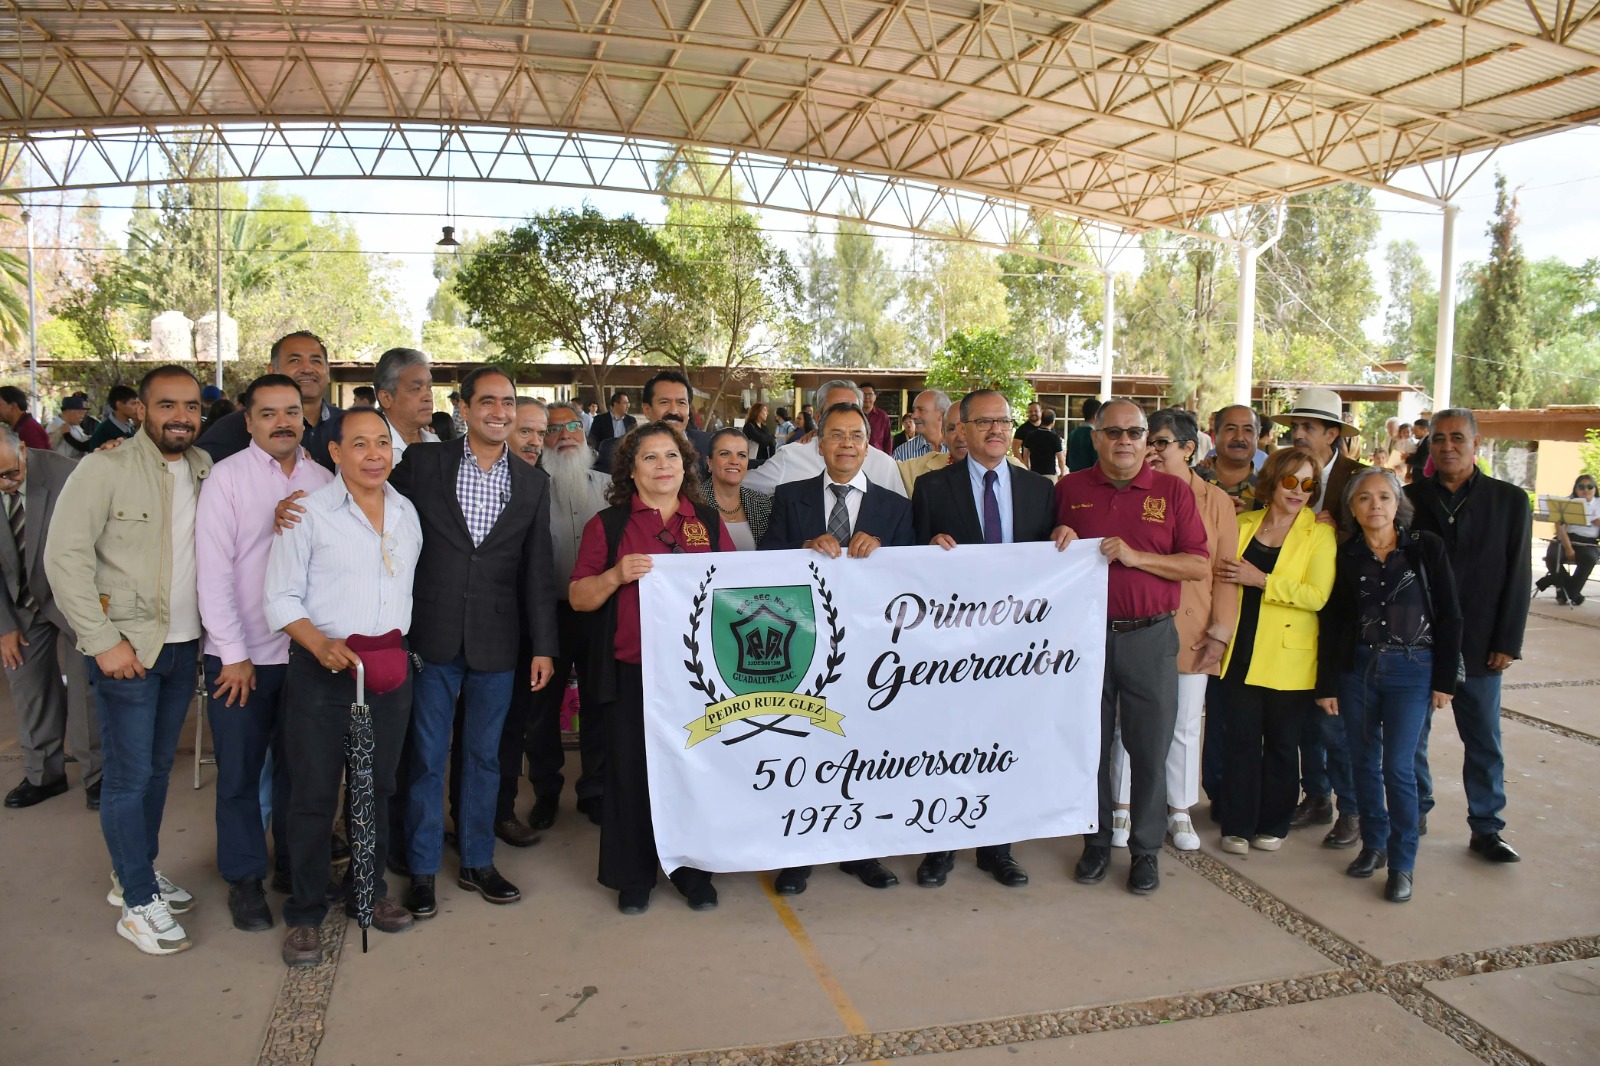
column 571, row 427
column 1118, row 432
column 1581, row 488
column 1306, row 484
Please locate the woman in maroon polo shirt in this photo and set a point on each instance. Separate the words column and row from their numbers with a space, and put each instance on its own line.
column 657, row 507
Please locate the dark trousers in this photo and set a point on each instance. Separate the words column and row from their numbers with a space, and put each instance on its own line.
column 53, row 716
column 542, row 736
column 316, row 718
column 1325, row 759
column 1260, row 784
column 1214, row 743
column 1139, row 692
column 1555, row 562
column 241, row 736
column 628, row 859
column 1476, row 708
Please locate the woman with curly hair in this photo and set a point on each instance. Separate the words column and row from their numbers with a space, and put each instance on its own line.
column 657, row 508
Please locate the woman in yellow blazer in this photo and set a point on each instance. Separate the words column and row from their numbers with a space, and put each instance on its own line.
column 1284, row 571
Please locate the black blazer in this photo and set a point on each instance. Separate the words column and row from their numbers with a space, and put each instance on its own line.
column 943, row 504
column 600, row 429
column 1340, row 617
column 468, row 598
column 798, row 515
column 229, row 435
column 1490, row 545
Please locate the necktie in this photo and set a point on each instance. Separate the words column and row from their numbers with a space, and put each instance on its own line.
column 839, row 517
column 991, row 509
column 18, row 534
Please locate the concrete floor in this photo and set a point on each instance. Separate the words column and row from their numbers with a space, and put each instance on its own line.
column 562, row 977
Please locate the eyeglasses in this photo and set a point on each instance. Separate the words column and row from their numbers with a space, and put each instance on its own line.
column 1160, row 444
column 1306, row 484
column 839, row 436
column 986, row 424
column 15, row 475
column 1133, row 433
column 575, row 426
column 672, row 545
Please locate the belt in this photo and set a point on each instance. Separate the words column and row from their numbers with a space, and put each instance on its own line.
column 1130, row 625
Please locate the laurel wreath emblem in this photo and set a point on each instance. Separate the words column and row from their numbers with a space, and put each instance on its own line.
column 692, row 663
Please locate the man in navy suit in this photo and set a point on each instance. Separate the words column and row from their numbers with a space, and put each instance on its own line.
column 839, row 512
column 982, row 499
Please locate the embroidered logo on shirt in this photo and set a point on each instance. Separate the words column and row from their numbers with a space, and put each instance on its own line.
column 1079, row 506
column 1155, row 509
column 695, row 535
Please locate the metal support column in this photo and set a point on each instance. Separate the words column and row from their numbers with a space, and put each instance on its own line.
column 1244, row 333
column 217, row 332
column 1445, row 351
column 1108, row 320
column 33, row 326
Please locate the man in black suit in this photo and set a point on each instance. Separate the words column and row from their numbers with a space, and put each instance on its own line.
column 982, row 499
column 667, row 398
column 839, row 512
column 615, row 423
column 302, row 356
column 485, row 557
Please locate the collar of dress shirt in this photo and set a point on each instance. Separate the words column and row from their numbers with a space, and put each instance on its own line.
column 859, row 482
column 467, row 455
column 1142, row 480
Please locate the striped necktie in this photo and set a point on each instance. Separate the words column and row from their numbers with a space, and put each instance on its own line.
column 19, row 523
column 839, row 517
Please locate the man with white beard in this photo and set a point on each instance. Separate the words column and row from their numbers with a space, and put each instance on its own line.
column 577, row 494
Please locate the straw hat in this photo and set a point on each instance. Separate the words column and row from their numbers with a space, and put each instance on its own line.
column 1319, row 403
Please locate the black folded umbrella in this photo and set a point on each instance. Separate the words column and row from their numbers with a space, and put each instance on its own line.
column 363, row 828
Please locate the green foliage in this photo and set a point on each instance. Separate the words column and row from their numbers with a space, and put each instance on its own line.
column 1315, row 281
column 848, row 295
column 955, row 287
column 1054, row 308
column 1589, row 452
column 594, row 285
column 983, row 360
column 1411, row 323
column 1492, row 362
column 13, row 298
column 1177, row 319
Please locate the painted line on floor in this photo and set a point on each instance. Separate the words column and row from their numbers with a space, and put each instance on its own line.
column 854, row 1024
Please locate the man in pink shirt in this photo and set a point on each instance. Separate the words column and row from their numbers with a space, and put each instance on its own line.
column 245, row 658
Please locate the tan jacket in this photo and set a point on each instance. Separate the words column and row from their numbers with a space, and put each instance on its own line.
column 109, row 552
column 1210, row 607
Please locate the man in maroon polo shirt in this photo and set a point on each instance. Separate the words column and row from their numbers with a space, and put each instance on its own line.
column 1155, row 540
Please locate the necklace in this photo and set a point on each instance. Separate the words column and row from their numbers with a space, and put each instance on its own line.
column 735, row 509
column 1461, row 501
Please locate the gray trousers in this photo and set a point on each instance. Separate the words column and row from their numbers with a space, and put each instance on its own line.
column 52, row 717
column 1139, row 693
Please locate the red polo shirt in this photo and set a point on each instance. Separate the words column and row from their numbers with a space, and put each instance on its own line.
column 642, row 536
column 1155, row 513
column 882, row 430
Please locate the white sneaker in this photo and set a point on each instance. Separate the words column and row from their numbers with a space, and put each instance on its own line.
column 1262, row 842
column 1235, row 845
column 177, row 900
column 153, row 929
column 1184, row 838
column 1121, row 824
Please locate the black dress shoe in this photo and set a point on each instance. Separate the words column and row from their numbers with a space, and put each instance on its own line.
column 247, row 903
column 791, row 882
column 1145, row 876
column 1398, row 890
column 1005, row 869
column 338, row 849
column 1369, row 862
column 487, row 882
column 633, row 900
column 871, row 873
column 1313, row 810
column 1346, row 832
column 1422, row 825
column 1491, row 847
column 91, row 797
column 702, row 896
column 543, row 815
column 513, row 832
column 593, row 807
column 419, row 899
column 28, row 793
column 1091, row 868
column 935, row 868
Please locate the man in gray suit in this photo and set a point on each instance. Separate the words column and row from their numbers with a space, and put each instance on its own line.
column 31, row 630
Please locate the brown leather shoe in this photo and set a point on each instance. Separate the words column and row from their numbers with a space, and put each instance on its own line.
column 1313, row 810
column 389, row 917
column 1346, row 832
column 303, row 946
column 515, row 833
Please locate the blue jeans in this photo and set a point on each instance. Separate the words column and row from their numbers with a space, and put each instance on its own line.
column 242, row 737
column 1383, row 704
column 1325, row 760
column 140, row 720
column 433, row 708
column 1483, row 770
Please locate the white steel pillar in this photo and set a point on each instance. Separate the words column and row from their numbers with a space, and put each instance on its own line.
column 33, row 325
column 1445, row 351
column 1108, row 311
column 217, row 332
column 1244, row 339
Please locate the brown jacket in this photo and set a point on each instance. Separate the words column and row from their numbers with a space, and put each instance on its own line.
column 1209, row 607
column 1338, row 478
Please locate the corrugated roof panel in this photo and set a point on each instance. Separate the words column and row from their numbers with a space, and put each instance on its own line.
column 1345, row 33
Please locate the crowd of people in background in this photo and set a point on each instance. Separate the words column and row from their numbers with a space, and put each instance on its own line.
column 1284, row 620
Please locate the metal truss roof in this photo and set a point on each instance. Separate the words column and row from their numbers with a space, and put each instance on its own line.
column 1132, row 113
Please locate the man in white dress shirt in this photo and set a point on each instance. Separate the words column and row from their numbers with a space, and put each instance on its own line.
column 797, row 462
column 345, row 568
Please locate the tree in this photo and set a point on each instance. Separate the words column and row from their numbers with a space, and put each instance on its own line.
column 955, row 287
column 1315, row 280
column 983, row 360
column 847, row 295
column 1053, row 307
column 447, row 333
column 1411, row 323
column 1176, row 318
column 592, row 284
column 13, row 288
column 1494, row 351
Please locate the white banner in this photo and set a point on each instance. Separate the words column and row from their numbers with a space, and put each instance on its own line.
column 804, row 710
